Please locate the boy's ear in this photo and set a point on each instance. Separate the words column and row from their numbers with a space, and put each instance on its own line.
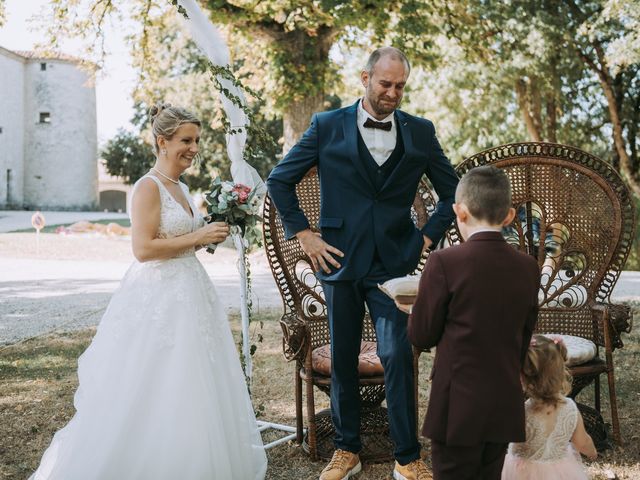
column 511, row 214
column 461, row 211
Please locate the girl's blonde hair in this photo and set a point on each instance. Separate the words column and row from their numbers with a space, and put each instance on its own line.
column 545, row 374
column 165, row 120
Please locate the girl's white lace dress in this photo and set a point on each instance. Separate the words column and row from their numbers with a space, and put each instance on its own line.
column 547, row 453
column 162, row 395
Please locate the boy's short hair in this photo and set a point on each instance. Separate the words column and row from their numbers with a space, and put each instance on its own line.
column 486, row 192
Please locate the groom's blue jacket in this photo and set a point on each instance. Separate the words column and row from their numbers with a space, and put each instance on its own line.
column 355, row 217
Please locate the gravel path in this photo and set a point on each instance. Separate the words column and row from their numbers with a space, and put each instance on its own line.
column 66, row 282
column 11, row 220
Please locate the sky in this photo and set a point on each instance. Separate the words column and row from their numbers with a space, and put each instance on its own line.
column 115, row 83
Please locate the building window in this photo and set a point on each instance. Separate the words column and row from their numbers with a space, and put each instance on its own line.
column 45, row 117
column 0, row 129
column 43, row 66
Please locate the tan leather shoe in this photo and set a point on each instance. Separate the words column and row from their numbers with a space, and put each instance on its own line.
column 416, row 470
column 342, row 466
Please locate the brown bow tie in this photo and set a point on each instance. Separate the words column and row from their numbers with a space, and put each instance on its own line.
column 386, row 126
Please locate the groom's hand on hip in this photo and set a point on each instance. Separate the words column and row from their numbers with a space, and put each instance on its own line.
column 319, row 251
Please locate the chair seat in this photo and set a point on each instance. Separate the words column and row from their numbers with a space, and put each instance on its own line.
column 579, row 350
column 368, row 362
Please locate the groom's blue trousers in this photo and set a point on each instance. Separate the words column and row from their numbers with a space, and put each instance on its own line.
column 346, row 307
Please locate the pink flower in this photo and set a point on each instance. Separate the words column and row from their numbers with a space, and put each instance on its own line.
column 243, row 192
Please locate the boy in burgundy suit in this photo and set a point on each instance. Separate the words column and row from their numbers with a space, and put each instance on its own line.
column 477, row 303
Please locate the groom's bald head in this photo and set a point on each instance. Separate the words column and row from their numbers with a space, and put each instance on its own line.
column 391, row 52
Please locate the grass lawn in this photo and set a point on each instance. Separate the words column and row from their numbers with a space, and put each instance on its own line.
column 38, row 380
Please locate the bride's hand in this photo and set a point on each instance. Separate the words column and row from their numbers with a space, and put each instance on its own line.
column 215, row 232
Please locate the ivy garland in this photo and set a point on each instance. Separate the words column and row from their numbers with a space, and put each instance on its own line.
column 261, row 137
column 262, row 141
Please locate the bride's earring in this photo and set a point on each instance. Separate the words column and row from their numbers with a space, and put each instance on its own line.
column 163, row 151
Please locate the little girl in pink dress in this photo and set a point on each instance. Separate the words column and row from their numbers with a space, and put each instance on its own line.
column 554, row 426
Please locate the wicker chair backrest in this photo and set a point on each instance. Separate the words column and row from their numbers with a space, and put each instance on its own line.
column 576, row 217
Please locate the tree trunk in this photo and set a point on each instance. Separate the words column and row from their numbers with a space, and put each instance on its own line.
column 296, row 118
column 630, row 85
column 524, row 103
column 306, row 58
column 551, row 100
column 536, row 106
column 618, row 138
column 626, row 168
column 552, row 119
column 632, row 132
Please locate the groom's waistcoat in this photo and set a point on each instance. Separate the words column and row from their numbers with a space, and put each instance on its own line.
column 363, row 211
column 378, row 174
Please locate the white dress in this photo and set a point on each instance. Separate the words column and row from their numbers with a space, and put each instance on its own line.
column 547, row 452
column 161, row 391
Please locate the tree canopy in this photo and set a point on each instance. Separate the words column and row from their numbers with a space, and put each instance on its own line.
column 572, row 67
column 486, row 72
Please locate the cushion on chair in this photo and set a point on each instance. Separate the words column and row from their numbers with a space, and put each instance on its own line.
column 579, row 350
column 368, row 362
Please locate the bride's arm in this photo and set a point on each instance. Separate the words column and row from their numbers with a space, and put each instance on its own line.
column 145, row 221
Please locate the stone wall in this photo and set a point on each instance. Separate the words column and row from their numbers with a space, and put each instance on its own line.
column 12, row 125
column 60, row 154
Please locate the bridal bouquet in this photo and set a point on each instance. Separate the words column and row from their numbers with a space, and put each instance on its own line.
column 236, row 204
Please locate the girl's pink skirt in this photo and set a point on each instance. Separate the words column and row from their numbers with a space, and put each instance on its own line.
column 567, row 468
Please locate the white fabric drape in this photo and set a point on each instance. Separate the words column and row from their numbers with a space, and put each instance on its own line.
column 209, row 40
column 211, row 43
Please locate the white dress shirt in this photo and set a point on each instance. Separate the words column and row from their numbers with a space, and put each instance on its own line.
column 484, row 229
column 379, row 142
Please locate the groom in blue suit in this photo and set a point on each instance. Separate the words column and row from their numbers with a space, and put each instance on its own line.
column 370, row 158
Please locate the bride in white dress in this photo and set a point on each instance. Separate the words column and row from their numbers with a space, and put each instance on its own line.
column 162, row 394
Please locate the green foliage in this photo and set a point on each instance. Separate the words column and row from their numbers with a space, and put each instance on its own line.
column 128, row 156
column 175, row 71
column 486, row 73
column 3, row 13
column 624, row 49
column 261, row 139
column 296, row 36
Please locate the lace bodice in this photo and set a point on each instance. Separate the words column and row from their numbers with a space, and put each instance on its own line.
column 174, row 219
column 547, row 442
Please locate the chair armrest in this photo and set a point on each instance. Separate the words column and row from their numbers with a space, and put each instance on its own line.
column 621, row 317
column 295, row 337
column 615, row 318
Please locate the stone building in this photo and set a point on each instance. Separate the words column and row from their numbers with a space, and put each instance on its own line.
column 48, row 133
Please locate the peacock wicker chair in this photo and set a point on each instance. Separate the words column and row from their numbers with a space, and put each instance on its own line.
column 576, row 217
column 305, row 327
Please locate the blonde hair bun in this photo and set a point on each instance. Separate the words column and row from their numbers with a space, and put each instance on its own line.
column 155, row 110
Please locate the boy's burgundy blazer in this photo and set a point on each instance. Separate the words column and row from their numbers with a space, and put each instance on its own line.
column 478, row 303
